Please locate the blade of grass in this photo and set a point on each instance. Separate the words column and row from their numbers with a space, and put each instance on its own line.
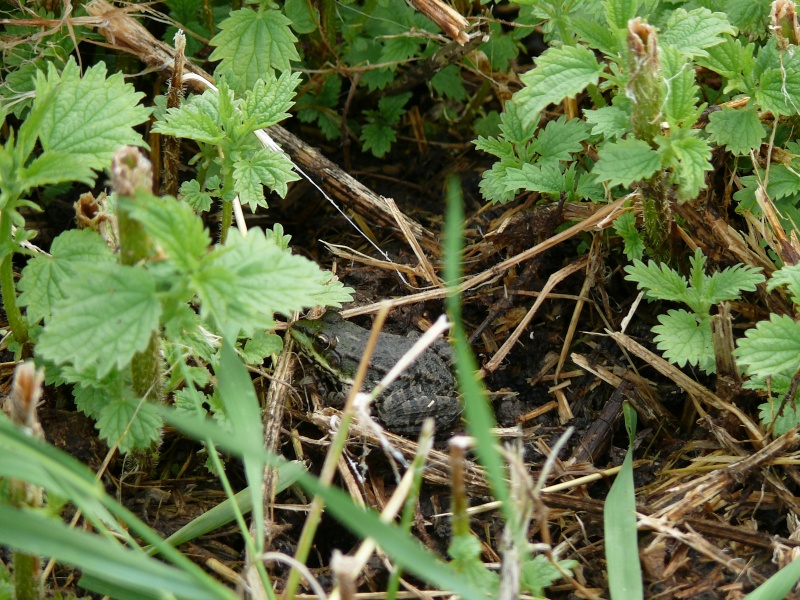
column 779, row 585
column 479, row 416
column 619, row 516
column 36, row 533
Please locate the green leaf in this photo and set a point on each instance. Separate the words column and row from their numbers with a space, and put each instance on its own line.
column 680, row 105
column 596, row 35
column 658, row 281
column 544, row 178
column 771, row 347
column 391, row 108
column 269, row 100
column 260, row 346
column 560, row 73
column 783, row 182
column 129, row 422
column 131, row 570
column 512, row 126
column 501, row 49
column 790, row 277
column 106, row 316
column 251, row 44
column 448, row 83
column 540, row 573
column 690, row 158
column 730, row 283
column 560, row 139
column 301, row 15
column 465, row 550
column 626, row 161
column 266, row 167
column 683, row 337
column 243, row 283
column 493, row 182
column 320, row 107
column 378, row 138
column 729, row 58
column 44, row 277
column 625, row 227
column 779, row 91
column 751, row 17
column 619, row 12
column 780, row 424
column 695, row 31
column 173, row 226
column 740, row 131
column 610, row 121
column 619, row 526
column 55, row 167
column 499, row 147
column 196, row 119
column 191, row 193
column 88, row 117
column 333, row 292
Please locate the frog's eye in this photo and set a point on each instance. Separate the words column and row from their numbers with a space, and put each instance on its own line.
column 323, row 341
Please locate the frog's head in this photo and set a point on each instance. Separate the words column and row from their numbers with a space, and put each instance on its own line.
column 330, row 342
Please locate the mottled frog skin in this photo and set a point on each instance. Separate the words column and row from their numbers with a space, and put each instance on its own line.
column 426, row 389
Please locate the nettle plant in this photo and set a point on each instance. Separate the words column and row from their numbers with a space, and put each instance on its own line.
column 106, row 320
column 645, row 130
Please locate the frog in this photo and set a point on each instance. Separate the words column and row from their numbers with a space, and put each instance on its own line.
column 426, row 389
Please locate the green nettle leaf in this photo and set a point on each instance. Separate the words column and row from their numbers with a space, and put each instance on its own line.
column 129, row 422
column 790, row 277
column 539, row 573
column 779, row 91
column 261, row 345
column 267, row 167
column 772, row 347
column 251, row 44
column 191, row 193
column 784, row 181
column 448, row 82
column 44, row 277
column 88, row 117
column 513, row 127
column 780, row 423
column 690, row 158
column 378, row 138
column 596, row 35
column 625, row 227
column 619, row 12
column 626, row 161
column 695, row 31
column 658, row 281
column 242, row 284
column 610, row 121
column 560, row 139
column 685, row 338
column 560, row 73
column 106, row 316
column 740, row 131
column 499, row 147
column 269, row 100
column 729, row 283
column 301, row 15
column 680, row 105
column 493, row 183
column 173, row 226
column 55, row 167
column 193, row 120
column 321, row 107
column 543, row 177
column 729, row 58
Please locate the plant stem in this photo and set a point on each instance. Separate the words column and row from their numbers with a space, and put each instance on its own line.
column 9, row 293
column 227, row 220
